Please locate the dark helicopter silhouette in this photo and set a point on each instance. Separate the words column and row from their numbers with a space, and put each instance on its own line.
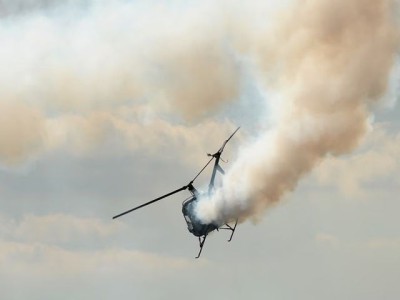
column 194, row 224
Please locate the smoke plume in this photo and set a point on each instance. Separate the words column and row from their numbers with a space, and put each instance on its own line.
column 329, row 61
column 75, row 73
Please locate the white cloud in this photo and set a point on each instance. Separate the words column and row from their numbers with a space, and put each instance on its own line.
column 327, row 239
column 40, row 271
column 44, row 255
column 59, row 228
column 57, row 261
column 385, row 244
column 378, row 159
column 135, row 129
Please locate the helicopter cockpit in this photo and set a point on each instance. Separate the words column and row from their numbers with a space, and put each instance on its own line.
column 195, row 226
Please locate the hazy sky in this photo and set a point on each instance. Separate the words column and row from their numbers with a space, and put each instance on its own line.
column 108, row 104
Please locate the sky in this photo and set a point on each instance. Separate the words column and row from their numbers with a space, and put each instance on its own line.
column 105, row 105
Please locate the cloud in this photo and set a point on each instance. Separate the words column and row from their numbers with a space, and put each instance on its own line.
column 327, row 239
column 56, row 229
column 48, row 260
column 65, row 80
column 43, row 256
column 22, row 132
column 135, row 129
column 378, row 160
column 390, row 244
column 49, row 248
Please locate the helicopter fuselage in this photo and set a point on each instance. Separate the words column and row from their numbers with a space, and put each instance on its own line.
column 195, row 226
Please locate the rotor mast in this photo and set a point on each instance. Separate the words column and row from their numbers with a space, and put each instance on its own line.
column 217, row 167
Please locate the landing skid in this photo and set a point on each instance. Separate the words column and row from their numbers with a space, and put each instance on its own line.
column 229, row 227
column 202, row 239
column 201, row 242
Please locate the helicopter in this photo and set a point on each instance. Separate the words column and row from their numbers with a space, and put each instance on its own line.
column 194, row 225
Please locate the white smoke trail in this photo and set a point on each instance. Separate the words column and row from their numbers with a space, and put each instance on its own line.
column 330, row 61
column 76, row 75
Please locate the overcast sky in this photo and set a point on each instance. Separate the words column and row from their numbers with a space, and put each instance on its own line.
column 105, row 105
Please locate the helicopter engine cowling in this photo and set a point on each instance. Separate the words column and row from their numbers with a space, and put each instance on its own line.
column 195, row 226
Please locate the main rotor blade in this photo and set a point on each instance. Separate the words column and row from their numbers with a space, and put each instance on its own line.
column 224, row 144
column 202, row 170
column 152, row 201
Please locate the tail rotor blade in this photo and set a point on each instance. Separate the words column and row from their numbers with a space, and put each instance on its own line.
column 152, row 201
